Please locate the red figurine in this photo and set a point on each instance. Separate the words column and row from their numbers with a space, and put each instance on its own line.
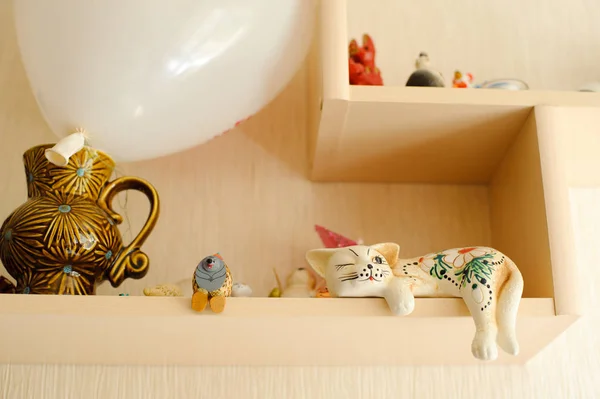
column 361, row 63
column 333, row 240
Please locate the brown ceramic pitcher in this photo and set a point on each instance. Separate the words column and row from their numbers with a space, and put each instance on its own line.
column 64, row 238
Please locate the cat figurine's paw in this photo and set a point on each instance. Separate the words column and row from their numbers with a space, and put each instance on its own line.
column 399, row 298
column 508, row 342
column 484, row 346
column 403, row 308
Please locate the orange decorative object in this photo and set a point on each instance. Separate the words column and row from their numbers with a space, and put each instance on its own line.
column 322, row 293
column 361, row 63
column 462, row 81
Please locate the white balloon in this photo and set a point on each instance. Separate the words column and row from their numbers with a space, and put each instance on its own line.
column 147, row 78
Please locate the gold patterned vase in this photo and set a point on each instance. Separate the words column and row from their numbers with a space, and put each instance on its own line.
column 64, row 238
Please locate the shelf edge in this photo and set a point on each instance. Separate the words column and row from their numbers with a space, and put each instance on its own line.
column 475, row 97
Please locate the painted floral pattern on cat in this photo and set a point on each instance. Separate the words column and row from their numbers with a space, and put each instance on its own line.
column 467, row 265
column 460, row 257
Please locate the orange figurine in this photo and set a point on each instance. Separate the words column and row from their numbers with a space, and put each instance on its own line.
column 462, row 81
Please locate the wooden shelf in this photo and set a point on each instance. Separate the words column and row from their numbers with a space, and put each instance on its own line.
column 431, row 96
column 523, row 149
column 390, row 133
column 492, row 41
column 252, row 331
column 496, row 167
column 481, row 167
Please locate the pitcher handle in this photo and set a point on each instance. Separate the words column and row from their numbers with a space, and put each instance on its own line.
column 131, row 262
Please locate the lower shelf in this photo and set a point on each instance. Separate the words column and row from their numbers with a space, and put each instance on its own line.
column 254, row 331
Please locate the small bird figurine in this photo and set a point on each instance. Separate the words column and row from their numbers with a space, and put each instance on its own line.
column 422, row 61
column 424, row 76
column 211, row 283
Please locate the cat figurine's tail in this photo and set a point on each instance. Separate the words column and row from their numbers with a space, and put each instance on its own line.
column 508, row 305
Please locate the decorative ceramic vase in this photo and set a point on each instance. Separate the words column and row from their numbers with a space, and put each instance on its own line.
column 64, row 238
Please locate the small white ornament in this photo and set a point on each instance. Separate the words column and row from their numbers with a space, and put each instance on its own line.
column 241, row 290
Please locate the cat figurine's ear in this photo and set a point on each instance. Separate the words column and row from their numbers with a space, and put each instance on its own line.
column 318, row 258
column 389, row 250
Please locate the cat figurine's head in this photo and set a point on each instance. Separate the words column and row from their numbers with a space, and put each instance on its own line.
column 355, row 271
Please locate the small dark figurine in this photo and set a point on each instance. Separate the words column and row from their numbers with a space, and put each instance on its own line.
column 425, row 76
column 211, row 283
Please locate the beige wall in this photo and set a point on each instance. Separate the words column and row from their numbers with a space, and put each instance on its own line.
column 269, row 152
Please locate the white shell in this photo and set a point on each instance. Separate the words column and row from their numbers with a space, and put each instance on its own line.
column 241, row 290
column 61, row 152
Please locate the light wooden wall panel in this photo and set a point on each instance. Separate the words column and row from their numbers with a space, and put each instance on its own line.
column 271, row 148
column 568, row 369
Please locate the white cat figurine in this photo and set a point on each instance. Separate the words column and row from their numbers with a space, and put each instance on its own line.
column 487, row 280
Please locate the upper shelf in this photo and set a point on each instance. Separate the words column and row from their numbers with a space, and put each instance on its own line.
column 253, row 331
column 491, row 40
column 384, row 133
column 479, row 98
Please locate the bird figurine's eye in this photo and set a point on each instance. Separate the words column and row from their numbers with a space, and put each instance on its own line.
column 378, row 260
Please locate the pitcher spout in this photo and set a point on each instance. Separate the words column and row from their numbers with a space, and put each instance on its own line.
column 63, row 150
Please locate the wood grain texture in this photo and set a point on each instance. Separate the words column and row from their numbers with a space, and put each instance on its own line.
column 580, row 144
column 566, row 369
column 119, row 330
column 423, row 134
column 193, row 227
column 416, row 143
column 554, row 162
column 518, row 209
